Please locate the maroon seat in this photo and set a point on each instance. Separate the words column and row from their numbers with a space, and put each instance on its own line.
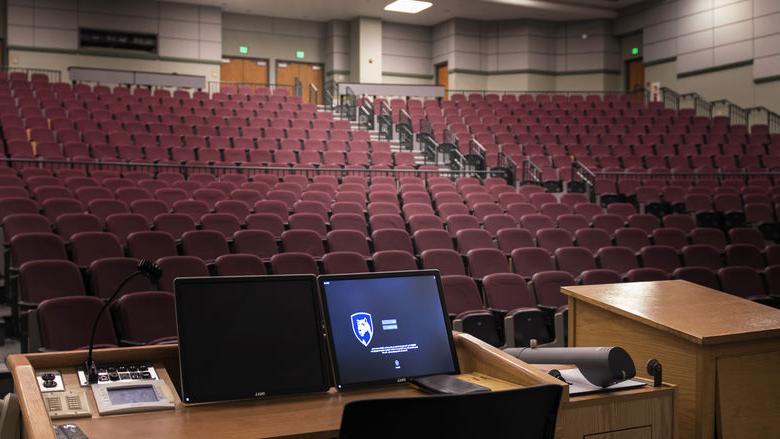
column 699, row 275
column 618, row 259
column 529, row 261
column 240, row 264
column 547, row 287
column 179, row 266
column 66, row 323
column 448, row 262
column 348, row 241
column 343, row 262
column 45, row 279
column 106, row 274
column 485, row 261
column 204, row 244
column 394, row 260
column 303, row 241
column 460, row 294
column 294, row 263
column 392, row 239
column 146, row 317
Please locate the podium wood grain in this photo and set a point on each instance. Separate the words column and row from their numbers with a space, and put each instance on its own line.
column 700, row 336
column 319, row 415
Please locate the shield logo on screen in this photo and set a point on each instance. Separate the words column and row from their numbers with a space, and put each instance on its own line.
column 363, row 327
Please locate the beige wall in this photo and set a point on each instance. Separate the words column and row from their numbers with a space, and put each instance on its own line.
column 61, row 61
column 734, row 84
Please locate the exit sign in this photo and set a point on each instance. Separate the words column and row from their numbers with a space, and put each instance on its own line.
column 635, row 51
column 299, row 54
column 243, row 50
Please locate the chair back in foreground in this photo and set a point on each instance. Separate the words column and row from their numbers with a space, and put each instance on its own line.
column 522, row 413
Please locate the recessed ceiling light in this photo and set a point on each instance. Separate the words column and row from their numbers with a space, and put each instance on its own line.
column 408, row 6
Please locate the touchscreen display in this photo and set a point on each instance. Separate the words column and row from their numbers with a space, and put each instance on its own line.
column 387, row 328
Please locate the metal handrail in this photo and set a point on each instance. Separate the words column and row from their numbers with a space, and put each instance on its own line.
column 349, row 104
column 313, row 94
column 219, row 169
column 366, row 113
column 385, row 121
column 298, row 88
column 736, row 114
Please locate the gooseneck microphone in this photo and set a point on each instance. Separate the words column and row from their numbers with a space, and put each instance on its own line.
column 147, row 268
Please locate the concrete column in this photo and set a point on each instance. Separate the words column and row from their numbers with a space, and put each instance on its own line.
column 366, row 50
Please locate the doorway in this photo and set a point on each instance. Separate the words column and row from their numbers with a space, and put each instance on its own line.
column 635, row 78
column 443, row 78
column 287, row 72
column 252, row 72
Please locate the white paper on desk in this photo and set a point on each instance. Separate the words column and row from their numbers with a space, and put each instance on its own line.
column 579, row 385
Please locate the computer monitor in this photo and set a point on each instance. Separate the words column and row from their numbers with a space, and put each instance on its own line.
column 387, row 327
column 249, row 337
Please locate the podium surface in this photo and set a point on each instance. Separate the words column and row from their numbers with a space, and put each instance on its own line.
column 722, row 351
column 646, row 413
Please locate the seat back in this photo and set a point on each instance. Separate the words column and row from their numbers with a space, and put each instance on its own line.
column 534, row 408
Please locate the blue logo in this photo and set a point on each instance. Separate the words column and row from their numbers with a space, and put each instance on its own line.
column 362, row 327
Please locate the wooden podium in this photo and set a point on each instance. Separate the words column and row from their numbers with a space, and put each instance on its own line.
column 722, row 351
column 645, row 413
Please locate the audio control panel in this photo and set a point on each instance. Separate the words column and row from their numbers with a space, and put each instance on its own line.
column 112, row 373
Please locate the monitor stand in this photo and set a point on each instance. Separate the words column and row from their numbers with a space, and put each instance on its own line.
column 448, row 384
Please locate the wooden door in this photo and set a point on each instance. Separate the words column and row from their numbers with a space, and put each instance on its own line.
column 232, row 71
column 253, row 72
column 635, row 78
column 442, row 77
column 288, row 72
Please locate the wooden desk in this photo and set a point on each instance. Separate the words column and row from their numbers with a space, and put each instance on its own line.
column 723, row 352
column 646, row 413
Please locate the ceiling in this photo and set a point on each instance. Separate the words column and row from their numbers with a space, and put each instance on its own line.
column 442, row 10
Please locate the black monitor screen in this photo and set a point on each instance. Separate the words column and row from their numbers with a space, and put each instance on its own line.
column 249, row 337
column 387, row 327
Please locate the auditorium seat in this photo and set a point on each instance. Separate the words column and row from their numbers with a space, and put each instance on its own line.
column 448, row 262
column 592, row 239
column 618, row 259
column 394, row 260
column 662, row 257
column 65, row 323
column 528, row 261
column 343, row 262
column 348, row 241
column 147, row 317
column 599, row 276
column 701, row 255
column 179, row 266
column 744, row 254
column 460, row 294
column 645, row 274
column 45, row 279
column 469, row 239
column 699, row 275
column 106, row 274
column 510, row 239
column 151, row 245
column 36, row 246
column 68, row 224
column 485, row 261
column 574, row 260
column 294, row 263
column 87, row 247
column 546, row 286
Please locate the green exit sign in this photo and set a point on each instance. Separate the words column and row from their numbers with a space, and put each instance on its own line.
column 635, row 51
column 299, row 54
column 243, row 50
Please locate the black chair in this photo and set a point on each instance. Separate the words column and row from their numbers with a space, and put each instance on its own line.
column 528, row 413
